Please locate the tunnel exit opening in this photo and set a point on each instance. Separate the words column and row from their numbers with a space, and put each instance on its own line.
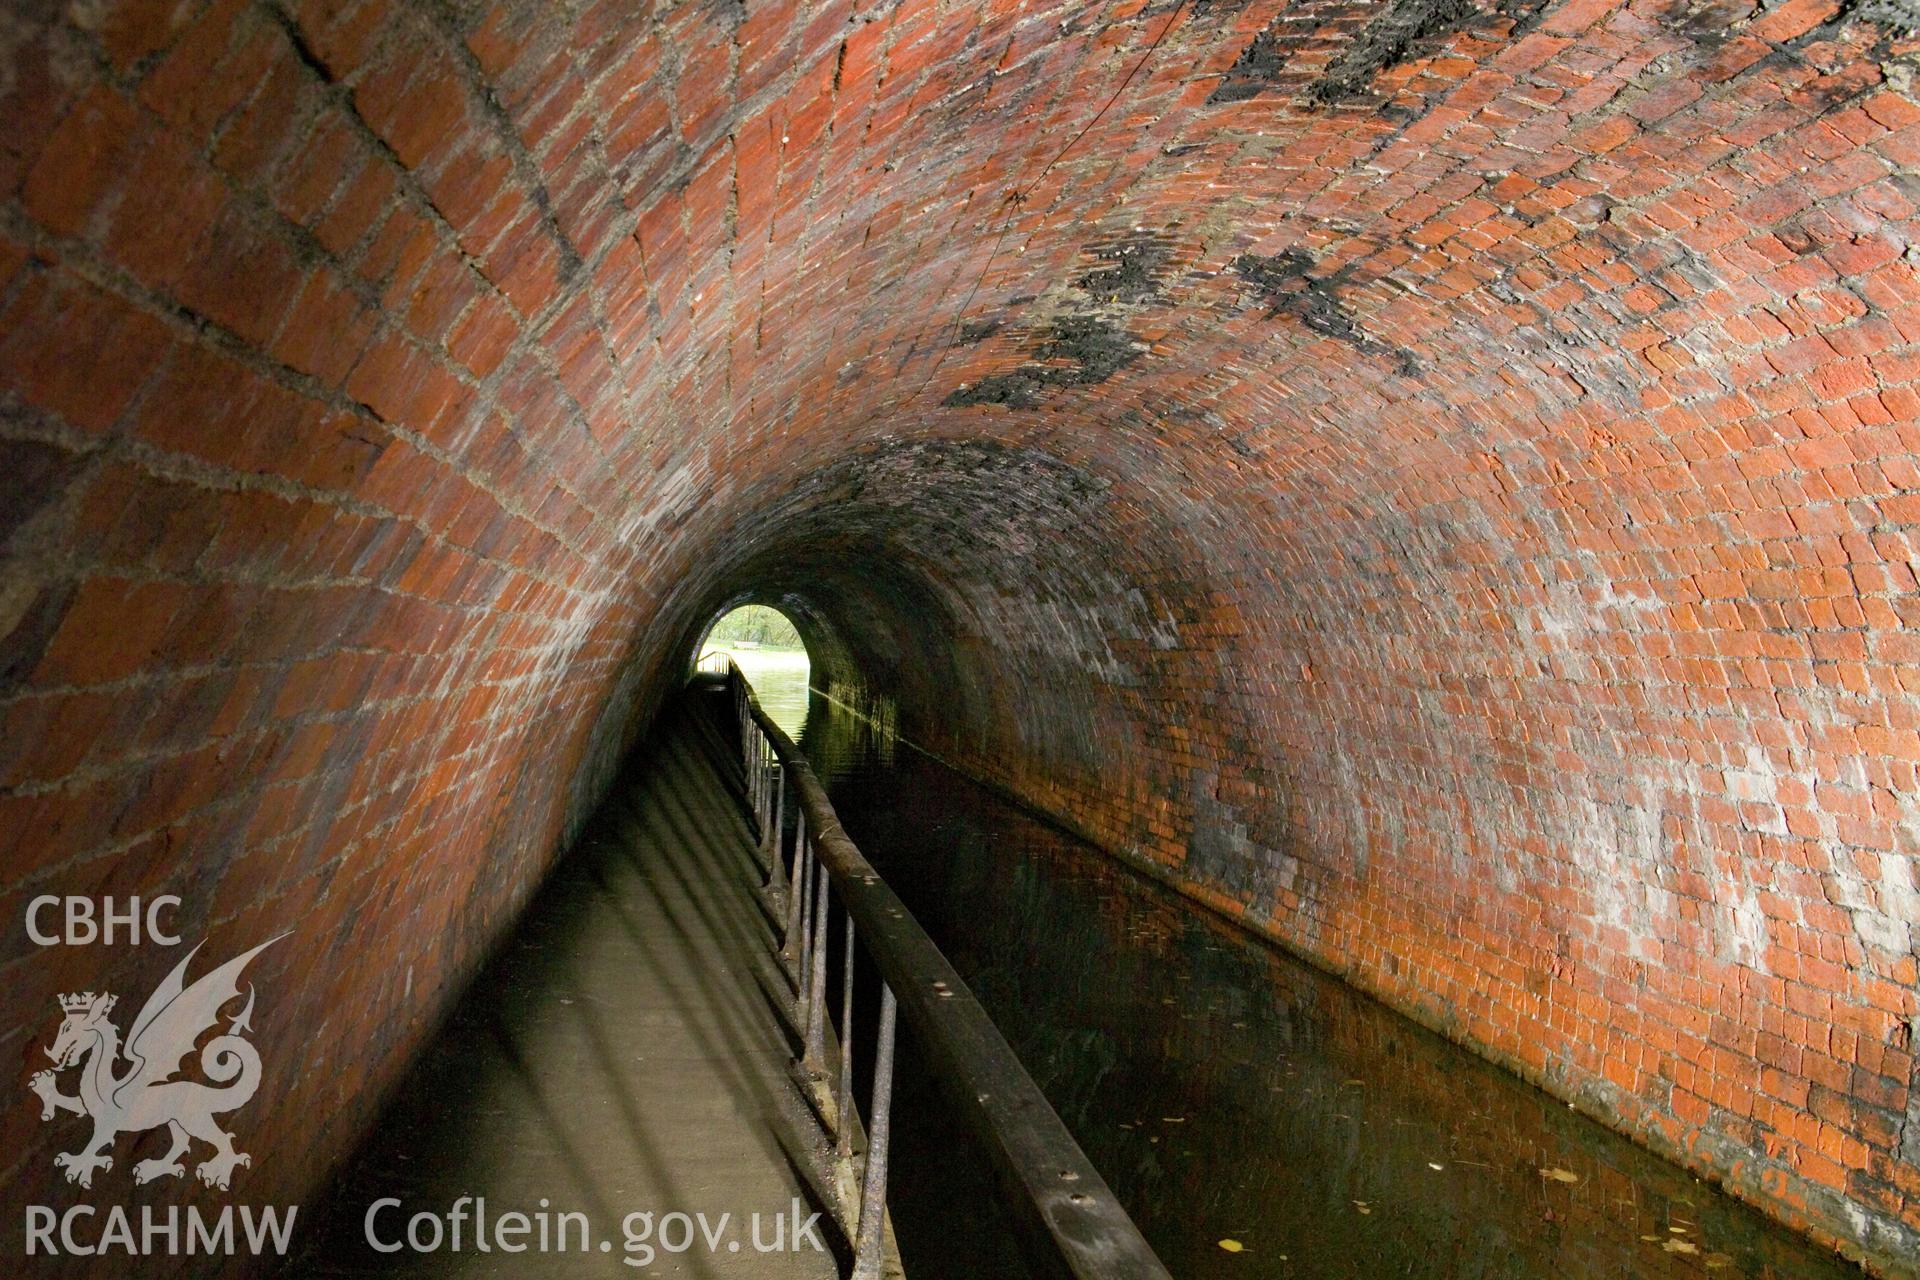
column 764, row 643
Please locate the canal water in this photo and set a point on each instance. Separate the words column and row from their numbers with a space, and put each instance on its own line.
column 779, row 678
column 1255, row 1116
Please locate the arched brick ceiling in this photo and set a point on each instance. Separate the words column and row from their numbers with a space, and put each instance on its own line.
column 1432, row 478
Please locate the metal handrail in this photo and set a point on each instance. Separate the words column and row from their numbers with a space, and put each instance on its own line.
column 1072, row 1217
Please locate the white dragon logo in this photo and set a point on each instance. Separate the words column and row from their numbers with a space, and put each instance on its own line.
column 145, row 1096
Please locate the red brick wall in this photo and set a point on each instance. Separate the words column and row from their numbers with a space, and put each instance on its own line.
column 1435, row 482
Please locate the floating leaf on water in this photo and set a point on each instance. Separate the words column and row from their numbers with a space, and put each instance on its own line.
column 1717, row 1260
column 1436, row 1167
column 1681, row 1246
column 1560, row 1175
column 1362, row 1206
column 1679, row 1231
column 1232, row 1246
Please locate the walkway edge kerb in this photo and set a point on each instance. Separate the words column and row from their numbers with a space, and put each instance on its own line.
column 1061, row 1199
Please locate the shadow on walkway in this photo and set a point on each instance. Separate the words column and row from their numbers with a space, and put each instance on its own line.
column 626, row 1053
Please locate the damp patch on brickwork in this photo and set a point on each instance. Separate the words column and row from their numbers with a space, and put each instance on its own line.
column 1404, row 27
column 1287, row 284
column 34, row 480
column 1223, row 854
column 930, row 498
column 32, row 475
column 1219, row 852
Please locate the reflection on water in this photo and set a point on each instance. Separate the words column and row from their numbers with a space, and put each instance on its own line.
column 779, row 680
column 1228, row 1092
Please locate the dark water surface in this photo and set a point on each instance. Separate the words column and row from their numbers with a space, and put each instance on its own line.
column 1229, row 1092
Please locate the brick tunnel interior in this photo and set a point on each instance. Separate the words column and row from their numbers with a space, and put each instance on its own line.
column 1433, row 479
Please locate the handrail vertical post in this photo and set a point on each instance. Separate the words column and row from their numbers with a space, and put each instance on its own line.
column 843, row 1140
column 778, row 833
column 793, row 945
column 785, row 867
column 803, row 894
column 868, row 1245
column 817, row 984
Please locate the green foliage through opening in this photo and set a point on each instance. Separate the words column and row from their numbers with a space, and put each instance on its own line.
column 759, row 625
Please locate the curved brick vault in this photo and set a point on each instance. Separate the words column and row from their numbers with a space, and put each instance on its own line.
column 1431, row 478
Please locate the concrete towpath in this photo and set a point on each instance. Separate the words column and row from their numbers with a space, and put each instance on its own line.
column 627, row 1053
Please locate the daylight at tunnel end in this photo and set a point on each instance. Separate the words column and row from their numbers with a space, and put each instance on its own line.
column 1435, row 481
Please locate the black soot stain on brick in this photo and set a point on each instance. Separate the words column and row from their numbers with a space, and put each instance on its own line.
column 973, row 332
column 1708, row 24
column 1130, row 270
column 1258, row 65
column 1098, row 347
column 1286, row 283
column 1387, row 41
column 1896, row 17
column 1079, row 351
column 1397, row 31
column 1526, row 14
